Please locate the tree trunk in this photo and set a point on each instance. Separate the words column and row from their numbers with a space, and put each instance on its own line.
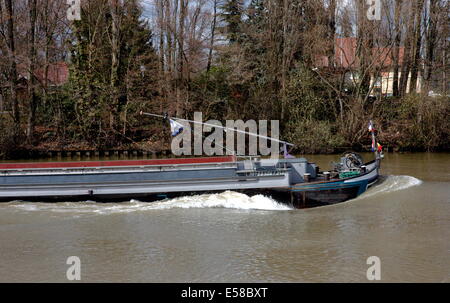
column 160, row 4
column 364, row 49
column 32, row 80
column 213, row 32
column 397, row 39
column 431, row 38
column 444, row 73
column 180, row 39
column 13, row 66
column 115, row 55
column 406, row 67
column 331, row 31
column 174, row 32
column 417, row 46
column 180, row 36
column 284, row 58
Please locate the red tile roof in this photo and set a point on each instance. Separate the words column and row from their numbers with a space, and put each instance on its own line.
column 57, row 74
column 346, row 57
column 345, row 52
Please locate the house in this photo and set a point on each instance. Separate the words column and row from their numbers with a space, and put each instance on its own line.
column 57, row 75
column 382, row 79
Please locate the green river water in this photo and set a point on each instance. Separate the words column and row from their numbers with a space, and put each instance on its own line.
column 231, row 237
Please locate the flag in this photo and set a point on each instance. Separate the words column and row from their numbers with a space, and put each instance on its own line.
column 175, row 127
column 286, row 154
column 373, row 144
column 379, row 148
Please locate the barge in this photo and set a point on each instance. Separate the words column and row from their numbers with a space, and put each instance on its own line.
column 294, row 181
column 291, row 180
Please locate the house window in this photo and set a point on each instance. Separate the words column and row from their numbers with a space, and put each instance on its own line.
column 378, row 82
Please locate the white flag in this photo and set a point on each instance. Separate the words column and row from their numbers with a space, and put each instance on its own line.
column 175, row 127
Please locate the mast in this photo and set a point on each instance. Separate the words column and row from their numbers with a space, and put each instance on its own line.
column 374, row 141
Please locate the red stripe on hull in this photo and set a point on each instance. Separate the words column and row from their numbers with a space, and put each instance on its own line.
column 116, row 163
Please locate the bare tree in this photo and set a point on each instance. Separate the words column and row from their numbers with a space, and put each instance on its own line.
column 417, row 44
column 32, row 70
column 13, row 75
column 397, row 40
column 431, row 40
column 160, row 5
column 365, row 44
column 213, row 34
column 411, row 42
column 181, row 97
column 114, row 8
column 331, row 30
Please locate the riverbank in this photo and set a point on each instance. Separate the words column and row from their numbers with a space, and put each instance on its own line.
column 151, row 149
column 413, row 124
column 131, row 152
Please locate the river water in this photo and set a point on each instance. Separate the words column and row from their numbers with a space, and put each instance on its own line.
column 231, row 237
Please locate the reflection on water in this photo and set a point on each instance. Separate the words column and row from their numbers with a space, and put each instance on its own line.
column 231, row 237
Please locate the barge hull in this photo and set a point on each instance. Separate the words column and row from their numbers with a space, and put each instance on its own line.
column 159, row 179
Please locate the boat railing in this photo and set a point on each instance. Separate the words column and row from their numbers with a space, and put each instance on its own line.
column 103, row 169
column 262, row 173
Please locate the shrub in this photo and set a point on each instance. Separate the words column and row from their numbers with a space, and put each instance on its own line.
column 423, row 123
column 8, row 138
column 310, row 136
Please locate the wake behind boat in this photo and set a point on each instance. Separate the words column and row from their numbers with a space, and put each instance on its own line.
column 291, row 180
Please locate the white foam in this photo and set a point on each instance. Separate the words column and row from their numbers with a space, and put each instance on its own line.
column 227, row 199
column 26, row 206
column 390, row 184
